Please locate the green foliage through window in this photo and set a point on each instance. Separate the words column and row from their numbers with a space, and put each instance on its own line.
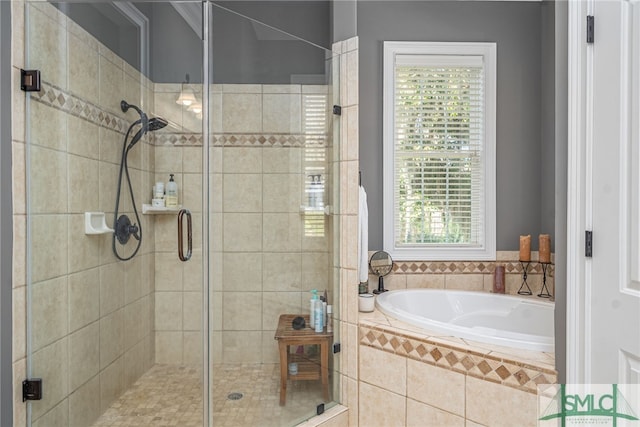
column 438, row 154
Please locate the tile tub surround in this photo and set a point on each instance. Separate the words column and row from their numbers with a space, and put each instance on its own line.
column 440, row 380
column 466, row 275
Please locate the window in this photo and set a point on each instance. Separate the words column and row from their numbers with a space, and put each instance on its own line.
column 439, row 150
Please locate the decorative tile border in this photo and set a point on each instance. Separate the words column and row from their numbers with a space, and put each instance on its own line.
column 177, row 139
column 69, row 103
column 267, row 140
column 465, row 267
column 512, row 373
column 61, row 100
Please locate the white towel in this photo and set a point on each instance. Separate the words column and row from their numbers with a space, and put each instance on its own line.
column 363, row 237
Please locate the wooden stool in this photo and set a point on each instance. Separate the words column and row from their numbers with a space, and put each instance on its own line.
column 309, row 368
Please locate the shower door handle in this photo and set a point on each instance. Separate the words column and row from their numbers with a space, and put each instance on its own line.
column 181, row 254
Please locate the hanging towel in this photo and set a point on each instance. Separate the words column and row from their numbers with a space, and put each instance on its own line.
column 363, row 237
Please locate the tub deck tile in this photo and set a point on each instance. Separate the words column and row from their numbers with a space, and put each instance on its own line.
column 520, row 369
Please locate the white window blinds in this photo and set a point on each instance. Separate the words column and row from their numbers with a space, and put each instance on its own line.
column 439, row 133
column 439, row 151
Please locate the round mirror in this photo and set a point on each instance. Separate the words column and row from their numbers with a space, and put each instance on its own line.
column 380, row 264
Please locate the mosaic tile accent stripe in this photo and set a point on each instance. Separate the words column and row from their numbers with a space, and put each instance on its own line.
column 257, row 140
column 177, row 139
column 237, row 140
column 57, row 98
column 522, row 376
column 61, row 100
column 465, row 267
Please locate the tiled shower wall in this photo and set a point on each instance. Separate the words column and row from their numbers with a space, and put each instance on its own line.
column 178, row 285
column 266, row 254
column 92, row 315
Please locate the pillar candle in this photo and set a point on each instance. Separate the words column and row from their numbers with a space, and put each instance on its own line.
column 544, row 249
column 525, row 248
column 498, row 280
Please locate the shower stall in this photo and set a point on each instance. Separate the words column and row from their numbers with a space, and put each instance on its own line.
column 121, row 330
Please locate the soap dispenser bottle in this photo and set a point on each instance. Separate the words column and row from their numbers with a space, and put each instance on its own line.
column 312, row 308
column 318, row 317
column 171, row 193
column 312, row 192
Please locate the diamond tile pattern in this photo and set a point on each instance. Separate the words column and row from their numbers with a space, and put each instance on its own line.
column 59, row 99
column 465, row 267
column 512, row 373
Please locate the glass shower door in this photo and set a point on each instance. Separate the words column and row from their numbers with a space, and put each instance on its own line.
column 115, row 322
column 273, row 195
column 119, row 329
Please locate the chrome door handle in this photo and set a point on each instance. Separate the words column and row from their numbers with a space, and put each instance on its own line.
column 181, row 255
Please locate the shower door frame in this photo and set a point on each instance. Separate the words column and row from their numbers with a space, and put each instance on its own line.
column 142, row 23
column 6, row 219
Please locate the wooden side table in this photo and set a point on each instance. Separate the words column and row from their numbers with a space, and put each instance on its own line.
column 308, row 368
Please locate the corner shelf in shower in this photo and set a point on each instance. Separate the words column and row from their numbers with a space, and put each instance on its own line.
column 153, row 210
column 315, row 210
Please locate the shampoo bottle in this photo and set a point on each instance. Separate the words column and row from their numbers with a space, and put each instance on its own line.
column 329, row 319
column 171, row 193
column 319, row 192
column 318, row 318
column 312, row 308
column 312, row 194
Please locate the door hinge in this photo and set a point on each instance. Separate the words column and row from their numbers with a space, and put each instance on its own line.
column 30, row 80
column 336, row 347
column 590, row 28
column 320, row 409
column 588, row 243
column 337, row 110
column 32, row 389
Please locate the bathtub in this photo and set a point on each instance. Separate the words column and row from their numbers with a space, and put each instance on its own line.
column 504, row 320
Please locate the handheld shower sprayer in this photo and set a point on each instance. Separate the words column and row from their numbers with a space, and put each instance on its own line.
column 153, row 124
column 123, row 226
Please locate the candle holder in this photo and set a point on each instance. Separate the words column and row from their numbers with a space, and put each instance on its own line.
column 544, row 292
column 523, row 290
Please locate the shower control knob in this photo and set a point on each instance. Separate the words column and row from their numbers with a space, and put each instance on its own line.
column 124, row 229
column 133, row 229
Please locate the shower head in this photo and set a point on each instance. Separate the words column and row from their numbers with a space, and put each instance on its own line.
column 156, row 123
column 147, row 124
column 153, row 124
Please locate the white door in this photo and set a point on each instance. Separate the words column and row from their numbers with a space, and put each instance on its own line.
column 612, row 312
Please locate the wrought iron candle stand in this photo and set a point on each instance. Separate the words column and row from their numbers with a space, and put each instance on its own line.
column 544, row 292
column 523, row 290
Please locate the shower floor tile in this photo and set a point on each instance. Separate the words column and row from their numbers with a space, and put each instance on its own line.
column 170, row 395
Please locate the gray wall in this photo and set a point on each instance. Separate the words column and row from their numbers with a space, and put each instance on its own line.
column 239, row 54
column 516, row 28
column 6, row 213
column 344, row 22
column 307, row 19
column 174, row 48
column 246, row 52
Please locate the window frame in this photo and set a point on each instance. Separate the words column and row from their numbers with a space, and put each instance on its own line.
column 434, row 252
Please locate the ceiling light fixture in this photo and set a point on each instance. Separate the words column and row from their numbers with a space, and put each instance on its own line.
column 186, row 96
column 196, row 107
